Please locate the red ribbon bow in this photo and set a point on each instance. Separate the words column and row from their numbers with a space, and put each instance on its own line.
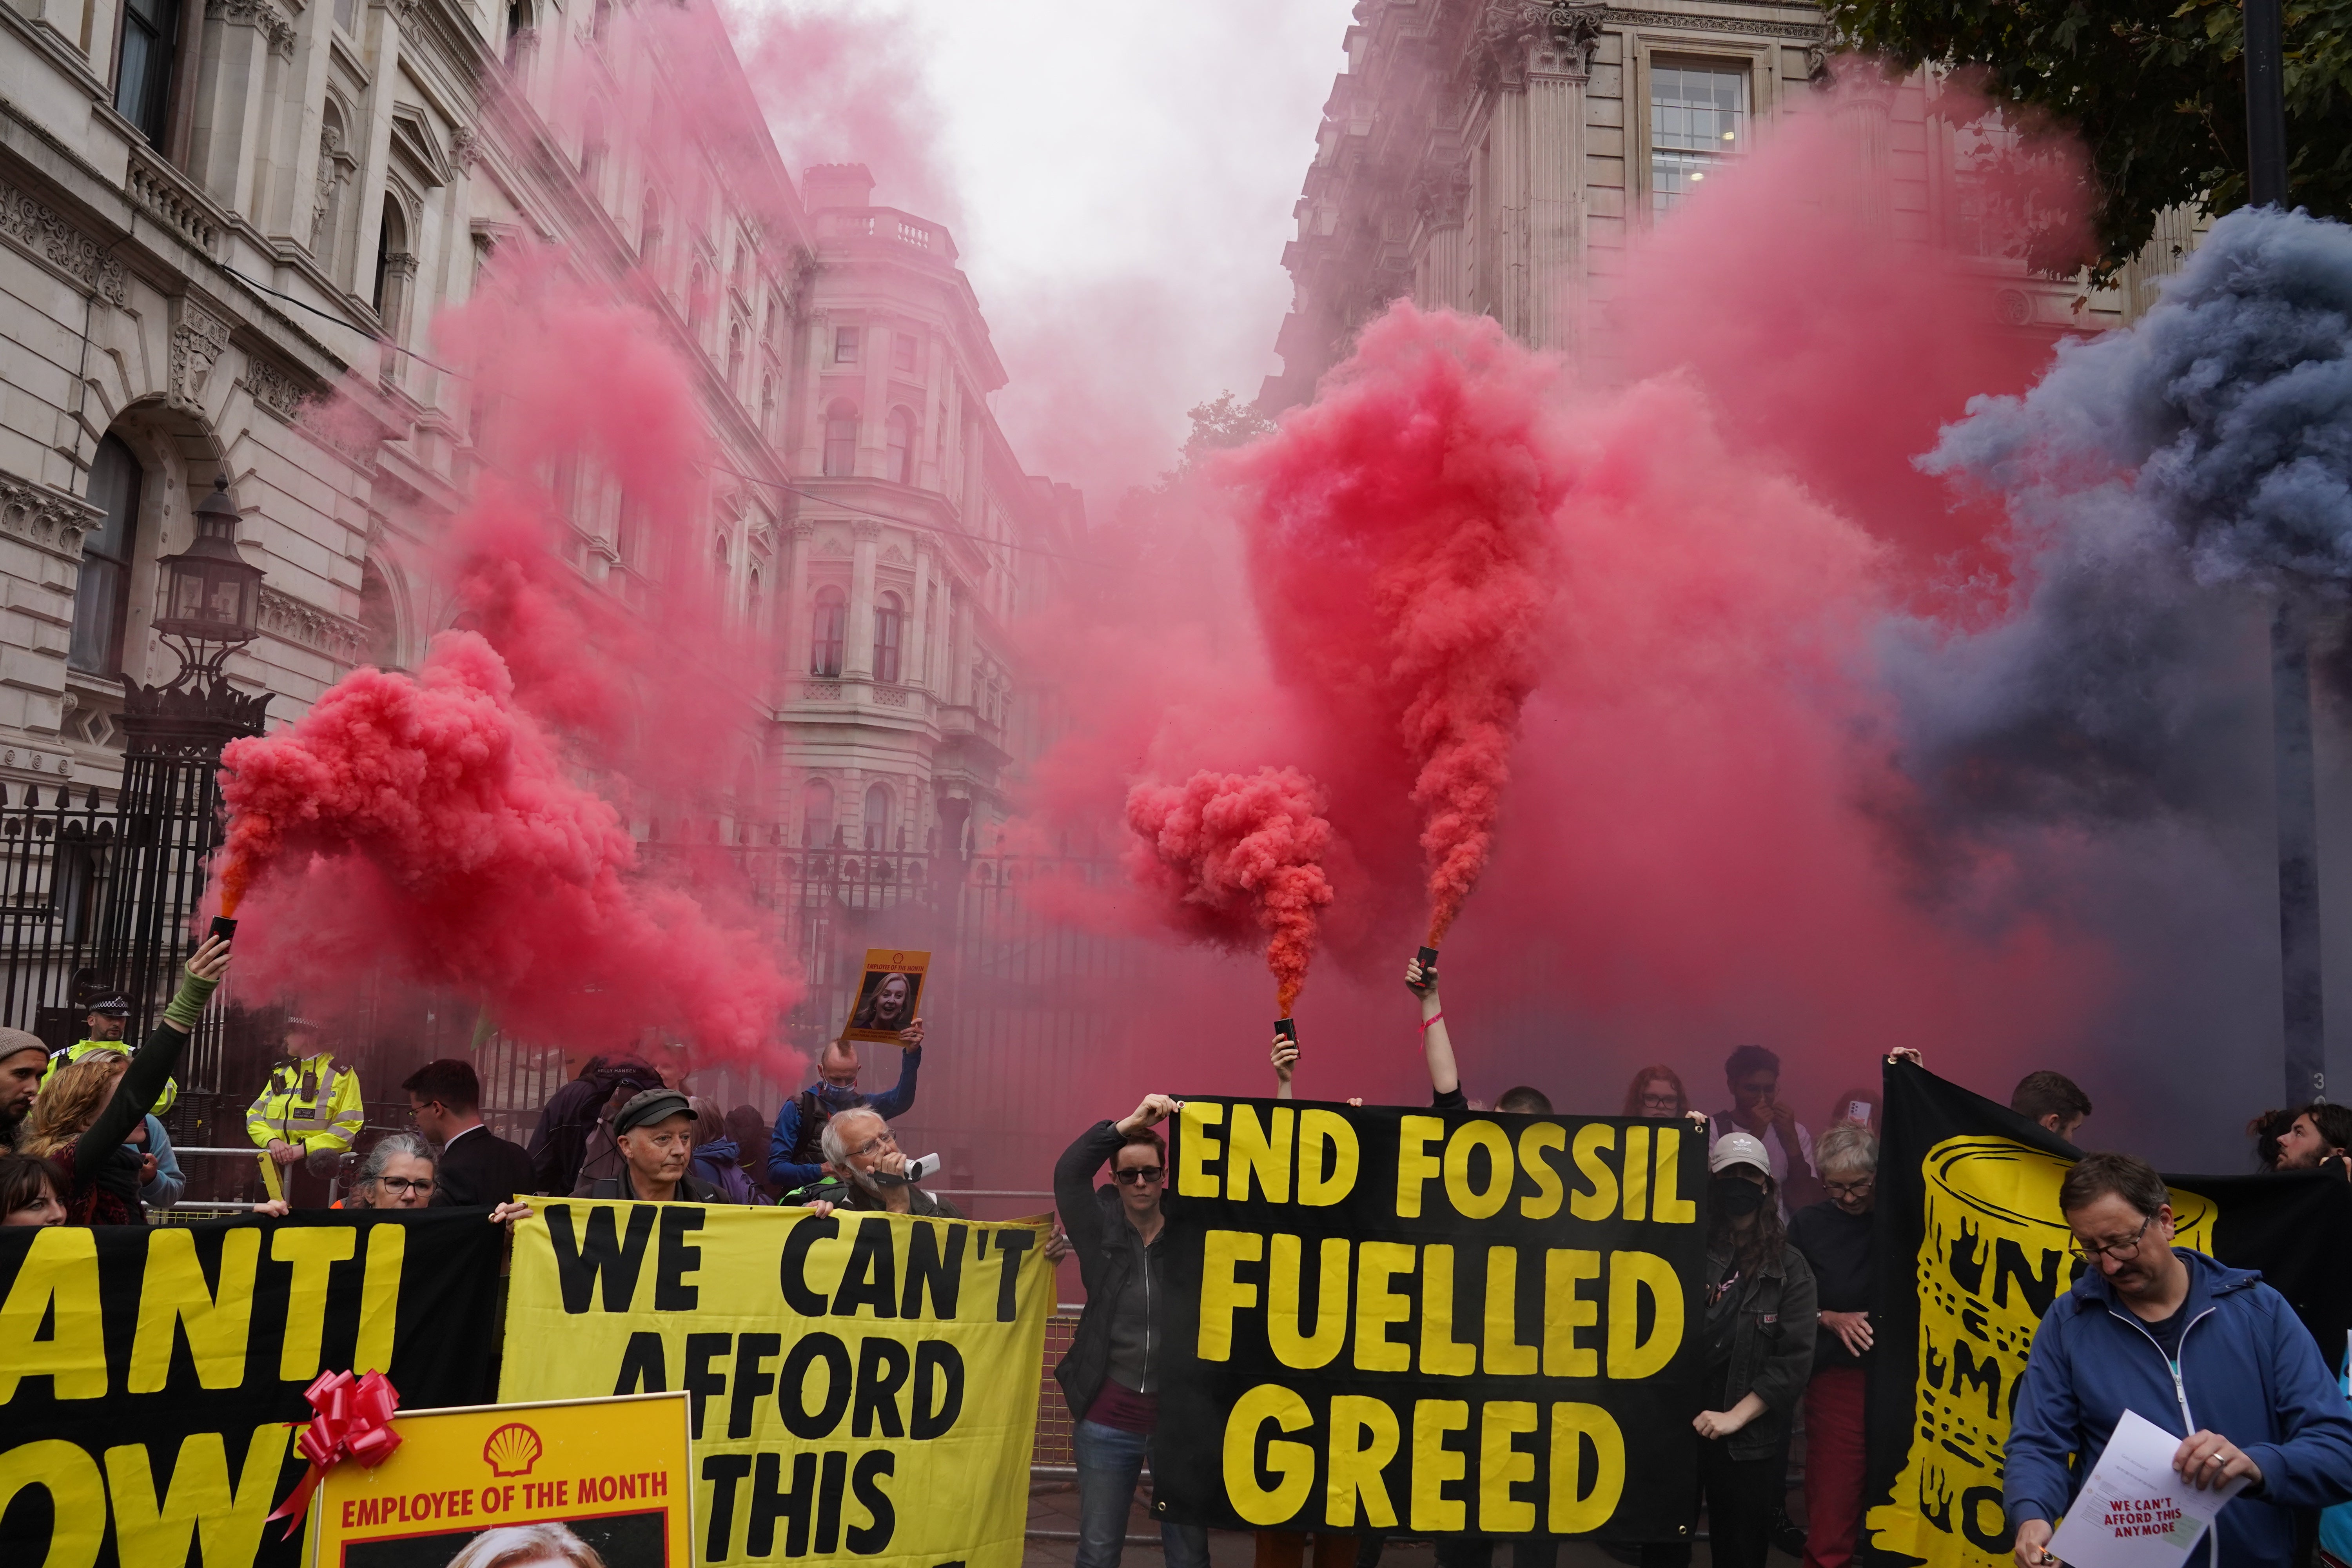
column 352, row 1420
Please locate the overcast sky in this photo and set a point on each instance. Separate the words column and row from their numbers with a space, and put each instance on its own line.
column 1120, row 177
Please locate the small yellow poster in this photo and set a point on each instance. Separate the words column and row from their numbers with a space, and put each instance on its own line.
column 571, row 1483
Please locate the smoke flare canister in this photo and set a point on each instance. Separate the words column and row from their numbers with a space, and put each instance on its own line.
column 1427, row 958
column 224, row 928
column 1287, row 1029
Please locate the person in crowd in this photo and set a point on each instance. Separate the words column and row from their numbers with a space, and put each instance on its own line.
column 31, row 1191
column 749, row 1128
column 307, row 1116
column 2052, row 1100
column 1127, row 1251
column 1521, row 1100
column 476, row 1165
column 559, row 1144
column 1436, row 1044
column 1758, row 1341
column 2208, row 1352
column 1657, row 1092
column 796, row 1154
column 24, row 1062
column 160, row 1180
column 81, row 1119
column 716, row 1158
column 1753, row 1075
column 103, row 1026
column 1834, row 1237
column 399, row 1172
column 865, row 1170
column 655, row 1134
column 2316, row 1134
column 2266, row 1130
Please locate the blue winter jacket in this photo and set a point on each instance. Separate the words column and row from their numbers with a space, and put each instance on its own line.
column 2249, row 1371
column 889, row 1105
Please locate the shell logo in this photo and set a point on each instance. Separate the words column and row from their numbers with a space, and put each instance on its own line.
column 511, row 1450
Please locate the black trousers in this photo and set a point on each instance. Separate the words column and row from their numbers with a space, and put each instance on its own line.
column 1740, row 1495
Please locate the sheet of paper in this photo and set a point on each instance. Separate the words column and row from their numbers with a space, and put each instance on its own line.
column 2135, row 1512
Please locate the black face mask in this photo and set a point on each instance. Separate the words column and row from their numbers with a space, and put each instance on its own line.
column 1734, row 1195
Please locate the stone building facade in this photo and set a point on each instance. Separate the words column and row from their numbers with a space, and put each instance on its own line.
column 1498, row 157
column 212, row 211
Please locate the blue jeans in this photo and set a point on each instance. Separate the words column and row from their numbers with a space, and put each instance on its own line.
column 1109, row 1460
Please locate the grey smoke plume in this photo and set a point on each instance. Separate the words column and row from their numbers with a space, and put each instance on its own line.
column 2166, row 482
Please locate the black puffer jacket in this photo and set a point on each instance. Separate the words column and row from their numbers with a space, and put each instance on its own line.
column 1095, row 1221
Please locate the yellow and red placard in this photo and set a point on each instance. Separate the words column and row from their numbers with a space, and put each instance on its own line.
column 479, row 1483
column 889, row 995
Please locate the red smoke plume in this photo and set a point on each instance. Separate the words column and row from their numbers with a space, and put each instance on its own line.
column 1402, row 538
column 1236, row 856
column 430, row 822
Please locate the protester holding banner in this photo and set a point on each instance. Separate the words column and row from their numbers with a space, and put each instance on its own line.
column 31, row 1191
column 81, row 1118
column 23, row 1059
column 1112, row 1375
column 1835, row 1238
column 398, row 1173
column 655, row 1132
column 2209, row 1353
column 867, row 1170
column 1759, row 1342
column 2052, row 1101
column 2319, row 1132
column 160, row 1180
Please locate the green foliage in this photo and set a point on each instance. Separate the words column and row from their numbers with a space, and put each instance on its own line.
column 2156, row 89
column 1227, row 422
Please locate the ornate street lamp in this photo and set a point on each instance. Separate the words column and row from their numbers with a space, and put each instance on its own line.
column 211, row 594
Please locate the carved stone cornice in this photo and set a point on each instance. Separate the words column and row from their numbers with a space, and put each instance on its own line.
column 1552, row 37
column 863, row 529
column 48, row 519
column 41, row 229
column 273, row 388
column 321, row 631
column 198, row 340
column 1810, row 33
column 261, row 14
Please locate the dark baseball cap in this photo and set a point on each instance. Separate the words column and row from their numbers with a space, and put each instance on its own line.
column 649, row 1106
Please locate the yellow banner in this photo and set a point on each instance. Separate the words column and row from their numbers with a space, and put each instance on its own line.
column 1993, row 1256
column 501, row 1483
column 862, row 1389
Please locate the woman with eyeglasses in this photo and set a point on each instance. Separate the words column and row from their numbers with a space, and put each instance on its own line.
column 1757, row 1344
column 1656, row 1092
column 1835, row 1238
column 1111, row 1378
column 397, row 1175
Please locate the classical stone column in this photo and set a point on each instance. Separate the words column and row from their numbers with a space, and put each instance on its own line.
column 857, row 658
column 1441, row 197
column 914, row 669
column 232, row 98
column 1865, row 115
column 792, row 617
column 819, row 327
column 1508, row 180
column 1559, row 69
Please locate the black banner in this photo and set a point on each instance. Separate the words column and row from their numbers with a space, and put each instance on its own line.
column 146, row 1374
column 1437, row 1322
column 1972, row 1250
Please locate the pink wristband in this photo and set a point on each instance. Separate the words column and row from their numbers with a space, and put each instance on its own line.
column 1432, row 1018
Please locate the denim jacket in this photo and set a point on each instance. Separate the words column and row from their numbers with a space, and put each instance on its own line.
column 1774, row 1314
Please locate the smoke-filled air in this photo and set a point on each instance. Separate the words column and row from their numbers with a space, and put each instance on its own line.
column 1794, row 657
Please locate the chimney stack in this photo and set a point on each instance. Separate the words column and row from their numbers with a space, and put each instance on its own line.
column 836, row 185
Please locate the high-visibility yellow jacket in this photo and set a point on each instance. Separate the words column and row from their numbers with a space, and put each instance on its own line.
column 314, row 1104
column 81, row 1049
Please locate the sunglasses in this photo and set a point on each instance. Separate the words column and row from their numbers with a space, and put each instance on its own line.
column 1139, row 1175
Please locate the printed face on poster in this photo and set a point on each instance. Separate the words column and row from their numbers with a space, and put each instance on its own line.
column 889, row 996
column 578, row 1483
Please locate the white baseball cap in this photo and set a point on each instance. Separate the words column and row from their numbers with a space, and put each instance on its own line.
column 1738, row 1148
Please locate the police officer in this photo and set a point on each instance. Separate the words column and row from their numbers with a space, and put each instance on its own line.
column 102, row 1030
column 307, row 1115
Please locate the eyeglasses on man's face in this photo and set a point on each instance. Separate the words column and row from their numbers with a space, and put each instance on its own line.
column 406, row 1185
column 1139, row 1175
column 2121, row 1251
column 885, row 1139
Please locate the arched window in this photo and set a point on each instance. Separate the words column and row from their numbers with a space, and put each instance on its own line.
column 391, row 240
column 889, row 614
column 719, row 558
column 102, row 597
column 697, row 301
column 878, row 817
column 380, row 618
column 902, row 436
column 520, row 20
column 841, row 440
column 829, row 632
column 817, row 812
column 735, row 356
column 768, row 405
column 649, row 230
column 751, row 601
